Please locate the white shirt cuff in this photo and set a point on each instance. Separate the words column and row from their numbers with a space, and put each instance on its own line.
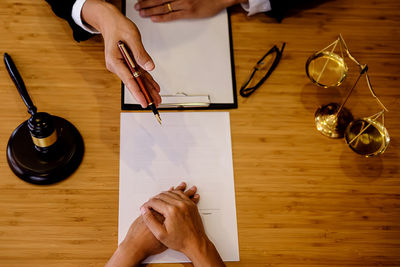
column 76, row 16
column 256, row 6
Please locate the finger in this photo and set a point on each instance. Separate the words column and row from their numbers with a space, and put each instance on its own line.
column 171, row 188
column 174, row 197
column 158, row 216
column 154, row 91
column 150, row 86
column 125, row 75
column 196, row 198
column 150, row 3
column 152, row 223
column 158, row 205
column 151, row 79
column 169, row 197
column 154, row 11
column 169, row 16
column 155, row 96
column 140, row 54
column 181, row 186
column 180, row 194
column 156, row 86
column 191, row 191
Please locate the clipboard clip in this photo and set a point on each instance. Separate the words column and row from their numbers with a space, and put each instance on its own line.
column 182, row 100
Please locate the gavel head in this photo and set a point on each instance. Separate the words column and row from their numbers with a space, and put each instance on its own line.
column 43, row 132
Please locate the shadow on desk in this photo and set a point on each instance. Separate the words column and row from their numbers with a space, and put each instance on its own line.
column 313, row 96
column 366, row 170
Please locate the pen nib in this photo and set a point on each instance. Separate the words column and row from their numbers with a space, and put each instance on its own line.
column 158, row 118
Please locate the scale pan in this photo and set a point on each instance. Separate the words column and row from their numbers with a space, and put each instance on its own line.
column 372, row 142
column 326, row 69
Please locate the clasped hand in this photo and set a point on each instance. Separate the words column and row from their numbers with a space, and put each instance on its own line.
column 169, row 220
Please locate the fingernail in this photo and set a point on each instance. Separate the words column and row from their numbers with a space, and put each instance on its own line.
column 149, row 65
column 193, row 188
column 182, row 184
column 137, row 6
column 143, row 210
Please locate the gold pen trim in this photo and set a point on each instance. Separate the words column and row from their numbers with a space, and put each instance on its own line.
column 127, row 56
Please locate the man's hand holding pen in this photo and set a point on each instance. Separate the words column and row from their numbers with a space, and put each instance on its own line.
column 114, row 26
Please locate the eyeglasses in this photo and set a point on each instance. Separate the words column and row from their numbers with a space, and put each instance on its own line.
column 247, row 91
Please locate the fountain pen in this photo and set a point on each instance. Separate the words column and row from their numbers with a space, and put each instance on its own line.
column 136, row 74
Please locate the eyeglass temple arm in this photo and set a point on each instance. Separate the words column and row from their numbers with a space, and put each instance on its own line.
column 256, row 67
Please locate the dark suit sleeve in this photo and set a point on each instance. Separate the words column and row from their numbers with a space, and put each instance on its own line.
column 284, row 8
column 278, row 9
column 63, row 9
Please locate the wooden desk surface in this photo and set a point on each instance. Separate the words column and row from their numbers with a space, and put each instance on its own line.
column 302, row 199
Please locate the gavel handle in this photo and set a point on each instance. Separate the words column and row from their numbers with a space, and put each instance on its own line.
column 19, row 83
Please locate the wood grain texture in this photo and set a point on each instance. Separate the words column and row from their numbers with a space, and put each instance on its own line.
column 302, row 199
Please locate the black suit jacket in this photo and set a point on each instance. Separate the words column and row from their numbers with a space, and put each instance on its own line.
column 284, row 8
column 279, row 8
column 63, row 9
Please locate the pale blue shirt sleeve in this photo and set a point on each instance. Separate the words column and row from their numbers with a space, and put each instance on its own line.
column 256, row 6
column 77, row 17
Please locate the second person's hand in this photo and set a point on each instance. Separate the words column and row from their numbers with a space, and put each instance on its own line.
column 182, row 228
column 139, row 242
column 167, row 10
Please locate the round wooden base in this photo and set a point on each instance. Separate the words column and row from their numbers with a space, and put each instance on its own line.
column 39, row 168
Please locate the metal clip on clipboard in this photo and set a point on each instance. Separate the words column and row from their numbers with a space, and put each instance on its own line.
column 182, row 100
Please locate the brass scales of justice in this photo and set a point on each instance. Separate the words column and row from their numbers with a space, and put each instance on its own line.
column 366, row 136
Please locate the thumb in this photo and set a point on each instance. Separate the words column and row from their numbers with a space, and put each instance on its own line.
column 152, row 223
column 140, row 54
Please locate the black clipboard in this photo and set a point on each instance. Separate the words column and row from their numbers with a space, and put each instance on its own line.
column 125, row 106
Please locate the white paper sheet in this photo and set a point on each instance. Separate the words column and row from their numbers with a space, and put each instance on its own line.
column 194, row 147
column 191, row 56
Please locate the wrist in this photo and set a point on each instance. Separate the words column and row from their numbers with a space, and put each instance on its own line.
column 133, row 249
column 203, row 253
column 193, row 248
column 123, row 257
column 96, row 13
column 129, row 255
